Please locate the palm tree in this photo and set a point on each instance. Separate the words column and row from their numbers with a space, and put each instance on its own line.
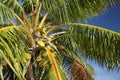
column 46, row 40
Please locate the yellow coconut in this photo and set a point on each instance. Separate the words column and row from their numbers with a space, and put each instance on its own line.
column 39, row 58
column 27, row 56
column 4, row 63
column 17, row 65
column 41, row 43
column 24, row 60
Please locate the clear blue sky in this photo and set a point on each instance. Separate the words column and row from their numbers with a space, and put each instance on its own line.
column 110, row 20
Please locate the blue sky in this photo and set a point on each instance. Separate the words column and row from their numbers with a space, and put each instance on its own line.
column 110, row 20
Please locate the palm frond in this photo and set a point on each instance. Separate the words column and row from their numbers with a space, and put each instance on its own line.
column 62, row 11
column 29, row 5
column 14, row 43
column 94, row 43
column 7, row 14
column 55, row 72
column 49, row 66
column 78, row 58
column 15, row 5
column 75, row 70
column 74, row 10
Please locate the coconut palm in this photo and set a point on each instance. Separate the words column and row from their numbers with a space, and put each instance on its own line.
column 46, row 40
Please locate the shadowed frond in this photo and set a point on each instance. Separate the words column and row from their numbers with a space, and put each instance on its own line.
column 75, row 70
column 79, row 72
column 78, row 58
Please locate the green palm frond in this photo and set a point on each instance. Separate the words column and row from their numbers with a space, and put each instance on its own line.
column 69, row 56
column 49, row 66
column 17, row 34
column 7, row 14
column 55, row 71
column 74, row 10
column 94, row 43
column 29, row 5
column 15, row 5
column 78, row 58
column 13, row 43
column 62, row 11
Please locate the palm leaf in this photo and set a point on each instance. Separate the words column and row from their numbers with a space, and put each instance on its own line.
column 49, row 66
column 13, row 43
column 74, row 10
column 4, row 15
column 7, row 14
column 78, row 58
column 75, row 70
column 62, row 11
column 69, row 56
column 13, row 4
column 55, row 72
column 94, row 43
